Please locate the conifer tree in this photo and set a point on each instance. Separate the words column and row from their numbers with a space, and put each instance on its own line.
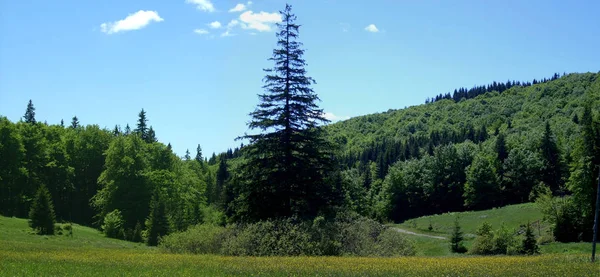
column 41, row 215
column 62, row 123
column 127, row 129
column 142, row 127
column 456, row 241
column 551, row 173
column 199, row 154
column 151, row 137
column 287, row 162
column 74, row 122
column 187, row 155
column 529, row 246
column 116, row 131
column 222, row 177
column 157, row 224
column 30, row 113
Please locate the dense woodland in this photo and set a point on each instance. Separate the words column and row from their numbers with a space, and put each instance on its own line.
column 486, row 147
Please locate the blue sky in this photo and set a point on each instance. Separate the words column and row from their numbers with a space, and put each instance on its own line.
column 106, row 60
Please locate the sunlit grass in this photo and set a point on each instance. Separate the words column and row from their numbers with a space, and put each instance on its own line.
column 88, row 253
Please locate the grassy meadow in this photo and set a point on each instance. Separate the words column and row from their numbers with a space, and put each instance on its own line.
column 88, row 253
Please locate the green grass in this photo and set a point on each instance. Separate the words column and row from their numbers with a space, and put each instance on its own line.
column 89, row 253
column 514, row 217
column 15, row 231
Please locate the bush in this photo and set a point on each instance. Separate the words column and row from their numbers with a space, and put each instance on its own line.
column 391, row 244
column 346, row 235
column 113, row 225
column 500, row 242
column 199, row 239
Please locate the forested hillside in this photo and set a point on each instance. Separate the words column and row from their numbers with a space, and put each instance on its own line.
column 491, row 150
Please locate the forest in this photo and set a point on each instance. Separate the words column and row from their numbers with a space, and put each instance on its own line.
column 481, row 148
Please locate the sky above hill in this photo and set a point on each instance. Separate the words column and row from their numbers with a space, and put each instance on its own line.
column 196, row 66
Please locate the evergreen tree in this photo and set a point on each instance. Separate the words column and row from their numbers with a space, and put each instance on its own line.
column 62, row 123
column 551, row 173
column 116, row 131
column 222, row 177
column 501, row 148
column 529, row 246
column 41, row 215
column 74, row 122
column 287, row 162
column 456, row 241
column 151, row 136
column 127, row 129
column 199, row 154
column 157, row 224
column 30, row 113
column 142, row 127
column 187, row 155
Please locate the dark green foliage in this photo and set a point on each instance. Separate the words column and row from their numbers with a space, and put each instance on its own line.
column 286, row 164
column 187, row 155
column 521, row 173
column 552, row 171
column 456, row 241
column 30, row 113
column 74, row 122
column 198, row 157
column 482, row 190
column 142, row 127
column 529, row 245
column 151, row 137
column 157, row 224
column 137, row 233
column 41, row 215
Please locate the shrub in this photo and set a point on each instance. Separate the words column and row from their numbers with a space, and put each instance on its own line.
column 199, row 239
column 391, row 243
column 483, row 244
column 113, row 224
column 41, row 215
column 346, row 235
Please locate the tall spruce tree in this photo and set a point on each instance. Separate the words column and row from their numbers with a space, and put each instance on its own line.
column 142, row 126
column 41, row 215
column 151, row 137
column 551, row 174
column 199, row 154
column 287, row 162
column 30, row 113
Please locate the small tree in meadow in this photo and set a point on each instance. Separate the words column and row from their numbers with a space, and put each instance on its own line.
column 41, row 215
column 456, row 241
column 529, row 246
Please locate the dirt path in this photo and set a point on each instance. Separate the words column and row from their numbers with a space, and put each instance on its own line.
column 416, row 234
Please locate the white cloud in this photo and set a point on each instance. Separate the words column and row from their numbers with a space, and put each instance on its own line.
column 372, row 28
column 238, row 8
column 334, row 117
column 215, row 25
column 232, row 23
column 134, row 21
column 201, row 31
column 261, row 21
column 227, row 34
column 203, row 5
